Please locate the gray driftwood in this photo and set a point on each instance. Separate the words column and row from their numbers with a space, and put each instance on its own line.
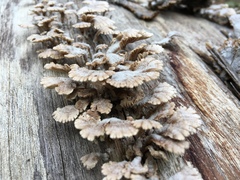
column 34, row 146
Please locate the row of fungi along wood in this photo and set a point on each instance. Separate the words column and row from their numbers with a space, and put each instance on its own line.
column 213, row 150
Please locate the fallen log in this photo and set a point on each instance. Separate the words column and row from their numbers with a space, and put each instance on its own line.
column 34, row 146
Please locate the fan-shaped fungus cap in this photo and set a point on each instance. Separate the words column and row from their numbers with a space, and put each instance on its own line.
column 219, row 13
column 50, row 53
column 118, row 128
column 162, row 93
column 97, row 61
column 82, row 25
column 70, row 51
column 113, row 170
column 114, row 59
column 81, row 105
column 35, row 38
column 61, row 84
column 177, row 147
column 104, row 25
column 131, row 35
column 55, row 32
column 182, row 123
column 83, row 74
column 135, row 167
column 127, row 79
column 90, row 160
column 103, row 106
column 147, row 64
column 137, row 53
column 143, row 71
column 57, row 67
column 45, row 21
column 164, row 111
column 117, row 170
column 89, row 125
column 146, row 124
column 94, row 7
column 66, row 114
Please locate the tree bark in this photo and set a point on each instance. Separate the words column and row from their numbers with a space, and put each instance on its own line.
column 34, row 146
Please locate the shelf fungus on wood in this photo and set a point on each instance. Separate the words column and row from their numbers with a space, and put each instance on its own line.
column 66, row 114
column 107, row 77
column 225, row 60
column 149, row 9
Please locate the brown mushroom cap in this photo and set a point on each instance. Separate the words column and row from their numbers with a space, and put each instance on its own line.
column 82, row 104
column 70, row 51
column 131, row 35
column 83, row 74
column 143, row 71
column 103, row 106
column 118, row 128
column 89, row 126
column 35, row 38
column 146, row 124
column 182, row 123
column 104, row 25
column 50, row 53
column 114, row 59
column 97, row 61
column 162, row 93
column 61, row 84
column 117, row 170
column 177, row 147
column 90, row 160
column 57, row 67
column 66, row 114
column 113, row 170
column 45, row 21
column 138, row 52
column 164, row 111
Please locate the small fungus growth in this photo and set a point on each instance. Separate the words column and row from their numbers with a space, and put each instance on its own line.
column 101, row 78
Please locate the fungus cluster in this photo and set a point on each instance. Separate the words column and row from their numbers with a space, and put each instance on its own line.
column 101, row 78
column 219, row 13
column 226, row 58
column 148, row 9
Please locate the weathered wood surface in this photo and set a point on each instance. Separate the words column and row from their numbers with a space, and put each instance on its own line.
column 34, row 146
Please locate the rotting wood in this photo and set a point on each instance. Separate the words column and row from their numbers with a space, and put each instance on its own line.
column 34, row 146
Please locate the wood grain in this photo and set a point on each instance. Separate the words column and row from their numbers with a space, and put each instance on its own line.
column 34, row 146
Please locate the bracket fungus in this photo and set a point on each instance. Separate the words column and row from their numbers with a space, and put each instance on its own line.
column 108, row 77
